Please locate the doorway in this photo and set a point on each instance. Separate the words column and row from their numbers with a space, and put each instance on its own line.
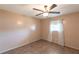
column 56, row 28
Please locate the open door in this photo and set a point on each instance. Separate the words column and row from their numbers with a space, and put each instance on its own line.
column 56, row 28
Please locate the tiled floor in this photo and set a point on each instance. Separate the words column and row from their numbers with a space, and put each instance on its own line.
column 42, row 47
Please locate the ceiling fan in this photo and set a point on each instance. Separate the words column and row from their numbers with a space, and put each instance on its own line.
column 47, row 11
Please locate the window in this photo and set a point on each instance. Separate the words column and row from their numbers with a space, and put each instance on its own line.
column 55, row 26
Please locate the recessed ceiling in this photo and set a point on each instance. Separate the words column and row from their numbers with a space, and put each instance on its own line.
column 27, row 9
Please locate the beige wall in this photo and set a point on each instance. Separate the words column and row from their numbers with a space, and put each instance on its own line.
column 17, row 30
column 71, row 30
column 45, row 26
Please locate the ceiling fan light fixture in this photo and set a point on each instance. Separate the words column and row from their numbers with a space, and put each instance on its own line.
column 47, row 10
column 45, row 14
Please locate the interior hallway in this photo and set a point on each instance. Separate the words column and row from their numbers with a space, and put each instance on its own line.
column 42, row 47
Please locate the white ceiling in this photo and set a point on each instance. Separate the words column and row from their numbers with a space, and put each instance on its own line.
column 26, row 9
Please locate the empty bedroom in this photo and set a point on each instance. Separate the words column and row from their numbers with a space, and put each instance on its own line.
column 39, row 28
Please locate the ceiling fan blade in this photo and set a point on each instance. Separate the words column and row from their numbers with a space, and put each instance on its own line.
column 54, row 12
column 53, row 6
column 38, row 9
column 39, row 14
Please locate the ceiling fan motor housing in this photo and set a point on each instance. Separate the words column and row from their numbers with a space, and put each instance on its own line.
column 45, row 6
